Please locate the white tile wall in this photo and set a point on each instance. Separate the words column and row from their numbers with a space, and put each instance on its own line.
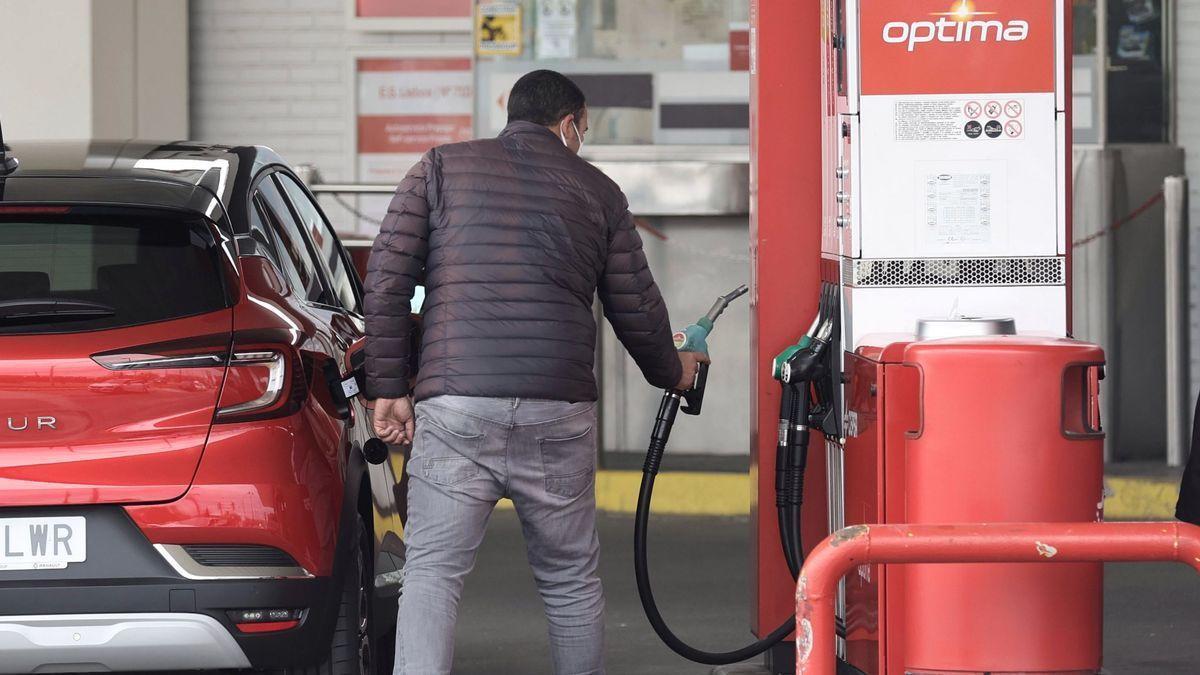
column 277, row 73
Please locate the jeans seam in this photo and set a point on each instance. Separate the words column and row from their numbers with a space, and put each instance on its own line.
column 577, row 413
column 460, row 411
column 508, row 434
column 512, row 422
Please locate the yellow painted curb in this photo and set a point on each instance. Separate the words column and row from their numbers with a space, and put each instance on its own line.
column 692, row 493
column 1130, row 498
column 677, row 492
column 700, row 493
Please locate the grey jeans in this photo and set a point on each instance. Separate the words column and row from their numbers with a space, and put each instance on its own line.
column 468, row 453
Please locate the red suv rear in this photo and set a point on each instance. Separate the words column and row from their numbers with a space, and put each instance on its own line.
column 182, row 475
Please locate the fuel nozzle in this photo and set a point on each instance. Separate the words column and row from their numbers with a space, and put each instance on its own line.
column 805, row 360
column 694, row 338
column 723, row 302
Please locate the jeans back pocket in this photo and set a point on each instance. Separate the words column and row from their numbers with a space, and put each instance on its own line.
column 569, row 462
column 444, row 455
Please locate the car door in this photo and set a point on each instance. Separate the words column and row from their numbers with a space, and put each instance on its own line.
column 342, row 306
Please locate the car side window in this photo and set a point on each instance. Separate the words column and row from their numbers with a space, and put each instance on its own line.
column 287, row 234
column 324, row 242
column 270, row 244
column 264, row 243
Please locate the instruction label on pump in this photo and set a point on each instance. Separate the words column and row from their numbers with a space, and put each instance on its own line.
column 850, row 424
column 943, row 119
column 958, row 208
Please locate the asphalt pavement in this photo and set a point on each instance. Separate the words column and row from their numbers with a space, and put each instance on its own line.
column 699, row 566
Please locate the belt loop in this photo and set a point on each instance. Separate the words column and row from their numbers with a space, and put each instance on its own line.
column 516, row 402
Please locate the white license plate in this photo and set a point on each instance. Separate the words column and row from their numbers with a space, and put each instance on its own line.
column 42, row 543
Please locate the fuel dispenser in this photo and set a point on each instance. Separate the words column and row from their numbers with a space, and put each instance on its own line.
column 938, row 383
column 945, row 217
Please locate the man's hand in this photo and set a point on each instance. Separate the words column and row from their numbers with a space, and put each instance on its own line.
column 393, row 420
column 691, row 363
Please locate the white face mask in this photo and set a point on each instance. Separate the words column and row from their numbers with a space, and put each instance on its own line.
column 577, row 135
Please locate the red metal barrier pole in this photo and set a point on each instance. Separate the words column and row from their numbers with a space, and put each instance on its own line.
column 844, row 550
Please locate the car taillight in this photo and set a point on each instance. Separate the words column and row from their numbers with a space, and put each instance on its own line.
column 201, row 351
column 262, row 382
column 265, row 376
column 142, row 361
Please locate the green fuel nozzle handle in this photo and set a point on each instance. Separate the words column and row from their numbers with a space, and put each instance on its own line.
column 694, row 338
column 796, row 362
column 787, row 354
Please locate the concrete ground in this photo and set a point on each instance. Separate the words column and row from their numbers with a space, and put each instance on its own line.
column 1152, row 612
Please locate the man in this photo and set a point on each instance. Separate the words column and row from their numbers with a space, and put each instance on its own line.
column 1187, row 507
column 513, row 236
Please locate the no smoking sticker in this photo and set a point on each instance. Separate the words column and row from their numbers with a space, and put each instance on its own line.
column 932, row 120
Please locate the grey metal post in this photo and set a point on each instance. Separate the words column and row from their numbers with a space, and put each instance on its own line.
column 1177, row 325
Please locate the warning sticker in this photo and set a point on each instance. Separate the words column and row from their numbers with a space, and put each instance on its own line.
column 957, row 120
column 498, row 28
column 958, row 208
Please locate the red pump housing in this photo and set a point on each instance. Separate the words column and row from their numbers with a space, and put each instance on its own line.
column 1008, row 433
column 999, row 429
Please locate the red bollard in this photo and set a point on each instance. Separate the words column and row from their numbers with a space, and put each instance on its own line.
column 848, row 548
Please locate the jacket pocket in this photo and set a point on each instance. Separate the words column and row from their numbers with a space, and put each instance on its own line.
column 444, row 455
column 569, row 463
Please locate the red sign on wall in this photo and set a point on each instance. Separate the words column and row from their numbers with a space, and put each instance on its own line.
column 407, row 106
column 957, row 46
column 404, row 9
column 739, row 48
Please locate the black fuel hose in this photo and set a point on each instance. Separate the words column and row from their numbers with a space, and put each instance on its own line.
column 797, row 465
column 658, row 443
column 791, row 459
column 781, row 480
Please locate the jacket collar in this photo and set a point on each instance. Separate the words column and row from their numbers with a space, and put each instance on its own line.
column 528, row 129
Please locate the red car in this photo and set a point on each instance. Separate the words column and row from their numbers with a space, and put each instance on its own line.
column 184, row 474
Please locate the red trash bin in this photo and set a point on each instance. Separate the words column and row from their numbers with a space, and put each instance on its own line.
column 1009, row 432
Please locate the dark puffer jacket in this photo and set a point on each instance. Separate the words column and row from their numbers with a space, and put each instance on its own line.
column 512, row 237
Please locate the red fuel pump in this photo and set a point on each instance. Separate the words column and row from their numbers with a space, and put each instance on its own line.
column 943, row 178
column 939, row 193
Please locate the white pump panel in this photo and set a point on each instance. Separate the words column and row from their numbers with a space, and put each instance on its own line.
column 948, row 132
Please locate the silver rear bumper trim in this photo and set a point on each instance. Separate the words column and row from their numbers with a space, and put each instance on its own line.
column 187, row 567
column 116, row 642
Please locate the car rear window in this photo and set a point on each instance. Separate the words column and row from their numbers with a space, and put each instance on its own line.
column 80, row 269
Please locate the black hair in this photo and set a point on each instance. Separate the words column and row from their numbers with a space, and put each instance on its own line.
column 544, row 97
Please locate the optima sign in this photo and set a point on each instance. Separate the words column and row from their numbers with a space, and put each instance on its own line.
column 919, row 47
column 947, row 30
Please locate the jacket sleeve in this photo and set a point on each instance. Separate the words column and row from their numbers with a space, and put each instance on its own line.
column 634, row 306
column 394, row 269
